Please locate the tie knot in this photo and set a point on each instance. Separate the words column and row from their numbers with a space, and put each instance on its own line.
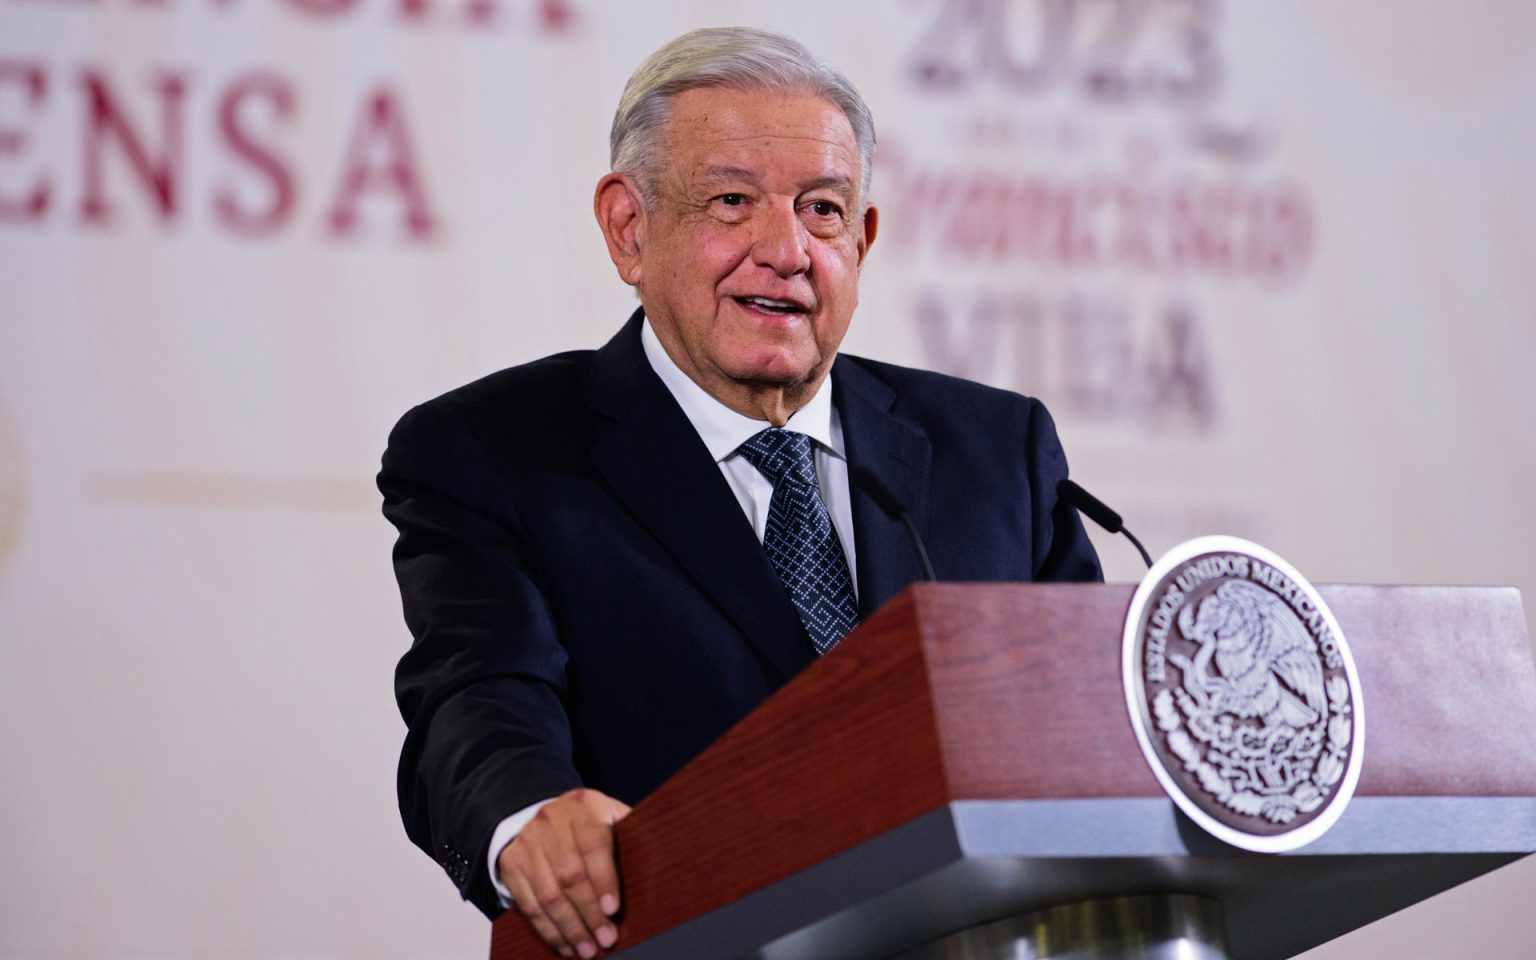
column 781, row 455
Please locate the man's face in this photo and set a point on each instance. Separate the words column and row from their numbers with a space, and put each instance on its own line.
column 748, row 266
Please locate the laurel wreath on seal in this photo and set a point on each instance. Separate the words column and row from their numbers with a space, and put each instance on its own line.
column 1274, row 772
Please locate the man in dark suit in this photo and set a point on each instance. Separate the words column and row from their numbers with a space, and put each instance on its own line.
column 608, row 558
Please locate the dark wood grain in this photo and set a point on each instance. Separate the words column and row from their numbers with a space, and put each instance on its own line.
column 990, row 691
column 1026, row 685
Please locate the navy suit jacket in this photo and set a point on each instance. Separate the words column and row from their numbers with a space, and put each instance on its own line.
column 589, row 603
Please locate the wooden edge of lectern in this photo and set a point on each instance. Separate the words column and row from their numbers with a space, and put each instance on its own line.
column 967, row 751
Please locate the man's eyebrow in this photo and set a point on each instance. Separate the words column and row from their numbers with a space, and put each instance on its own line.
column 835, row 181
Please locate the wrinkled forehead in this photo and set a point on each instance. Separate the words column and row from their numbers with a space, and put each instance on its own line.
column 719, row 132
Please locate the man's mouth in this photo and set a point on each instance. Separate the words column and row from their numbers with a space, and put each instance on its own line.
column 769, row 305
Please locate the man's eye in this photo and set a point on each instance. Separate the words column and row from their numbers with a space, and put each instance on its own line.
column 825, row 208
column 732, row 199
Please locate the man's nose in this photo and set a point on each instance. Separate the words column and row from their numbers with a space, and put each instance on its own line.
column 781, row 242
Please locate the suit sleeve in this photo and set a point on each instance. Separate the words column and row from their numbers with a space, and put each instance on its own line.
column 1062, row 550
column 482, row 686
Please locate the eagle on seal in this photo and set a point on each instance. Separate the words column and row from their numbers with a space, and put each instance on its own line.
column 1268, row 663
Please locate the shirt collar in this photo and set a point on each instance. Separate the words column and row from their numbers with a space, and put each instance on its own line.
column 723, row 429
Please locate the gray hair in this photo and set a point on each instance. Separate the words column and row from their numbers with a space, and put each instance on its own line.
column 739, row 58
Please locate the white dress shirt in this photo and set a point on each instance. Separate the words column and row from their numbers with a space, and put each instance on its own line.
column 723, row 431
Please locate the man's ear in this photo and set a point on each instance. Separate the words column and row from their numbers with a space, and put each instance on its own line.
column 621, row 216
column 869, row 226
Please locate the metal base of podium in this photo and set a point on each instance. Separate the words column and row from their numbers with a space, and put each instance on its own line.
column 1166, row 927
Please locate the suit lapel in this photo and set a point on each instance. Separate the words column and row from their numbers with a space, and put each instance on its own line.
column 899, row 454
column 659, row 468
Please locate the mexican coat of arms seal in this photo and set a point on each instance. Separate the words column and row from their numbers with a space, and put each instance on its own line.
column 1243, row 694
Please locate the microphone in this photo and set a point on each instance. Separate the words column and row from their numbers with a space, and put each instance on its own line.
column 1096, row 510
column 865, row 479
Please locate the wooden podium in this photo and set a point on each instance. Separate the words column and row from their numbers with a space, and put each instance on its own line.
column 966, row 755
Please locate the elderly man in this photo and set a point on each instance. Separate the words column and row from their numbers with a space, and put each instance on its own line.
column 609, row 557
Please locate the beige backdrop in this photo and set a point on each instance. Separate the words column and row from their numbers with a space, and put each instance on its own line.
column 1273, row 266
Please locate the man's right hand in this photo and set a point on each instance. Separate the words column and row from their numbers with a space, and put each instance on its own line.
column 560, row 871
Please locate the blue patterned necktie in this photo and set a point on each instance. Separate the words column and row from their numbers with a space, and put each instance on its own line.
column 799, row 539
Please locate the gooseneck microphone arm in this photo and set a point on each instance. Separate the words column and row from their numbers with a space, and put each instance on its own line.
column 865, row 479
column 1096, row 510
